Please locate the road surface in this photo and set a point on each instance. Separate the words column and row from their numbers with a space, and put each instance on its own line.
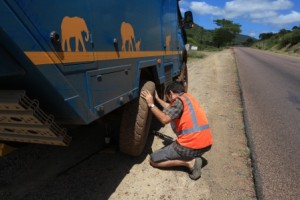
column 270, row 86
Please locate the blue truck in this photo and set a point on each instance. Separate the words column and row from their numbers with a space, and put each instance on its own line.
column 74, row 62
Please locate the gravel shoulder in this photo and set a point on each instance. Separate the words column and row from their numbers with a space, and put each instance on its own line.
column 228, row 173
column 85, row 170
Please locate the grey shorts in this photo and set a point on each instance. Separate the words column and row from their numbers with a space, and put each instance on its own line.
column 168, row 153
column 175, row 151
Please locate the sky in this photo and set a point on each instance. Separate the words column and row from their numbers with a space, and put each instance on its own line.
column 254, row 16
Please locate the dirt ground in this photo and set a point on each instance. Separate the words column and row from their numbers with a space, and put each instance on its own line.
column 85, row 170
column 227, row 175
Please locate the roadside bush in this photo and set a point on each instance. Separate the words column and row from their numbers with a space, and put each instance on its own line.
column 272, row 42
column 291, row 38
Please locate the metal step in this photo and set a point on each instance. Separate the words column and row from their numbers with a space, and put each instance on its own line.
column 5, row 149
column 21, row 120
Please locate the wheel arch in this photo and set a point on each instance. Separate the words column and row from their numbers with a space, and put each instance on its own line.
column 148, row 73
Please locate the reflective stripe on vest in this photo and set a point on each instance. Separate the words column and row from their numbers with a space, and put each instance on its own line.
column 195, row 127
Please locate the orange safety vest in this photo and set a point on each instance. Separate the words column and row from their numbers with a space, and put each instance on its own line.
column 192, row 127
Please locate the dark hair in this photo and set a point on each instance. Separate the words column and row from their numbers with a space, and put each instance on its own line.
column 176, row 87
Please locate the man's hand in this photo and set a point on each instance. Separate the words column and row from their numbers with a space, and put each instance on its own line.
column 162, row 117
column 145, row 94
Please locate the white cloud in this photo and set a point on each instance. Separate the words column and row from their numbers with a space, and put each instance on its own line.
column 184, row 6
column 262, row 15
column 260, row 11
column 237, row 8
column 252, row 34
column 286, row 19
column 203, row 8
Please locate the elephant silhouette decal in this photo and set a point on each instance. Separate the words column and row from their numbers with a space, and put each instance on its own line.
column 128, row 37
column 72, row 27
column 168, row 41
column 137, row 45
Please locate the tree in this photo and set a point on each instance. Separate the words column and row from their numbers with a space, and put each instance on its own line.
column 226, row 33
column 291, row 38
column 222, row 37
column 295, row 28
column 264, row 36
column 283, row 31
column 249, row 42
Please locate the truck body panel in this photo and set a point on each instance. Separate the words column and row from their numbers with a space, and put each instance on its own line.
column 83, row 59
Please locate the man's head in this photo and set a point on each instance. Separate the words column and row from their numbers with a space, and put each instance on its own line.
column 173, row 90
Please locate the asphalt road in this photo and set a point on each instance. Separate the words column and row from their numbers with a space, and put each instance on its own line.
column 270, row 86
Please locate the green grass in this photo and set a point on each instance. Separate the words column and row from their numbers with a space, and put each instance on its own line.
column 196, row 54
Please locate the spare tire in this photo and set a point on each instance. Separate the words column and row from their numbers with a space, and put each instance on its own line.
column 135, row 124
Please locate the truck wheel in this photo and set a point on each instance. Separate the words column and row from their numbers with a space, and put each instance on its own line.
column 135, row 124
column 183, row 77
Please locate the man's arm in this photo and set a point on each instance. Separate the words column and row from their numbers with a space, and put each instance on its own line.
column 160, row 101
column 161, row 116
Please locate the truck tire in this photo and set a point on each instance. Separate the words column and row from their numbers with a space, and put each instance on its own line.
column 135, row 124
column 183, row 77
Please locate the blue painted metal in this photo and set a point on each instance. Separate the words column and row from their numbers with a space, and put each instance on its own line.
column 80, row 91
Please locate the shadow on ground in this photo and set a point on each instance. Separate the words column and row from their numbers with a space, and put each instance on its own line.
column 87, row 169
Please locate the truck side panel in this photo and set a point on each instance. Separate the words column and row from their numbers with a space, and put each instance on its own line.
column 84, row 58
